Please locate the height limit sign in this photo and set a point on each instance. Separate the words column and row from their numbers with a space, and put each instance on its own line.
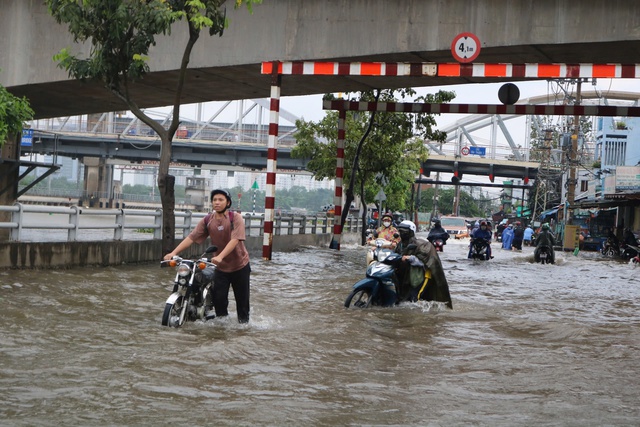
column 465, row 47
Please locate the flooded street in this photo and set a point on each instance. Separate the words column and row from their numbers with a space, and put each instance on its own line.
column 525, row 344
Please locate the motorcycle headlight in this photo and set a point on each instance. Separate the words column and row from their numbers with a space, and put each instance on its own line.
column 183, row 270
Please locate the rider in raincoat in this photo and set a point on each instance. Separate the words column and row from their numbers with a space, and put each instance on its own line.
column 507, row 237
column 545, row 238
column 421, row 276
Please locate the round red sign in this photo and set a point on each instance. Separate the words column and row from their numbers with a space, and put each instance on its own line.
column 464, row 151
column 465, row 47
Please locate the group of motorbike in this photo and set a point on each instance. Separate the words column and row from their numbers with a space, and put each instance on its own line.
column 625, row 250
column 191, row 294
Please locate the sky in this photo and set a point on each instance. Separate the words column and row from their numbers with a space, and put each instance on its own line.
column 310, row 107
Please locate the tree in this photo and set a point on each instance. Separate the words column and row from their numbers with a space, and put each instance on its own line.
column 14, row 112
column 469, row 206
column 121, row 33
column 382, row 150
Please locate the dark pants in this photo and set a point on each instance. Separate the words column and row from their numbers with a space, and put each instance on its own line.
column 517, row 243
column 239, row 281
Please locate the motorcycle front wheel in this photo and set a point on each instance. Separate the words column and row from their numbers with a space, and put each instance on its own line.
column 171, row 315
column 609, row 252
column 359, row 298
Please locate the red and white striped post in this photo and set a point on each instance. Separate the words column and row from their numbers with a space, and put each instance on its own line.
column 272, row 155
column 337, row 199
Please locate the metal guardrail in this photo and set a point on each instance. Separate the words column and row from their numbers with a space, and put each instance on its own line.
column 78, row 220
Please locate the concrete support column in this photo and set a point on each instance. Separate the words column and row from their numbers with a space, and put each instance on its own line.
column 98, row 182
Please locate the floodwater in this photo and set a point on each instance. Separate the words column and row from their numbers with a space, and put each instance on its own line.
column 525, row 344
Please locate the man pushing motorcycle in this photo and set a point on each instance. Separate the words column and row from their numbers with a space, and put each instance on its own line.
column 227, row 232
column 420, row 275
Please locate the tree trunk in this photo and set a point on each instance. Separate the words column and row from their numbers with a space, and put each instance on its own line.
column 9, row 171
column 166, row 187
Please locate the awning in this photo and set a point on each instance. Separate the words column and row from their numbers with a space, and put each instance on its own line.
column 549, row 212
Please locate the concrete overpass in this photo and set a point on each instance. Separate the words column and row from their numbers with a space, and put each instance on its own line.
column 228, row 68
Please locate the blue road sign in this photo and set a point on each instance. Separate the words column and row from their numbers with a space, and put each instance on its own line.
column 478, row 151
column 27, row 138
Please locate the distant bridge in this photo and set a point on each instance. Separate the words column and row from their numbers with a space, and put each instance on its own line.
column 139, row 149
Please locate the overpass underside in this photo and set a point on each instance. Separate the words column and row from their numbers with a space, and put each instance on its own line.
column 228, row 68
column 480, row 166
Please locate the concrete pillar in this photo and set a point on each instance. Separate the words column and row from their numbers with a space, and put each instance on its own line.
column 98, row 182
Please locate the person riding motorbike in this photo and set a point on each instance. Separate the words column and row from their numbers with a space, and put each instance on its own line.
column 545, row 238
column 437, row 232
column 631, row 243
column 483, row 233
column 420, row 274
column 387, row 231
column 629, row 238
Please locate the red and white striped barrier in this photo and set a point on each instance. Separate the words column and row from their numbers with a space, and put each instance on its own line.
column 549, row 110
column 431, row 69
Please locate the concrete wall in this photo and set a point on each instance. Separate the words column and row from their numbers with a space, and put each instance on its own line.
column 28, row 255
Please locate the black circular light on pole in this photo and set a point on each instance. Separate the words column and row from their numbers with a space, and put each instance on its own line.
column 508, row 94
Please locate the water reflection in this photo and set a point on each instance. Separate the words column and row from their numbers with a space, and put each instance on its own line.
column 526, row 345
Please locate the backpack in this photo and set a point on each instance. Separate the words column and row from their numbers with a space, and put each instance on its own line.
column 207, row 218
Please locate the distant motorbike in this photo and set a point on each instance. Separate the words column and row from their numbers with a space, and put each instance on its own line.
column 629, row 251
column 610, row 248
column 379, row 287
column 438, row 244
column 544, row 255
column 480, row 249
column 191, row 289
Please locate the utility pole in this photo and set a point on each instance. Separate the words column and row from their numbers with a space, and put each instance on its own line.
column 571, row 183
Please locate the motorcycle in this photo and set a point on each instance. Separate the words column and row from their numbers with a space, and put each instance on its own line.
column 191, row 289
column 544, row 255
column 629, row 251
column 480, row 249
column 379, row 287
column 610, row 248
column 438, row 244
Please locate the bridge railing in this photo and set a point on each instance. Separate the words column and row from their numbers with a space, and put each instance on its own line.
column 74, row 223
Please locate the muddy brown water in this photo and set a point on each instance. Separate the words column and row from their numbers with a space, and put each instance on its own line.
column 525, row 344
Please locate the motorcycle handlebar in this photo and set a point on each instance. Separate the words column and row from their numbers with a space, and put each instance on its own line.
column 176, row 260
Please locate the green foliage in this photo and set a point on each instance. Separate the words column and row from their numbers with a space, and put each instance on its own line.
column 469, row 206
column 14, row 112
column 390, row 155
column 121, row 33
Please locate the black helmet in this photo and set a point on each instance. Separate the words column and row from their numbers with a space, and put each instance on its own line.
column 223, row 192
